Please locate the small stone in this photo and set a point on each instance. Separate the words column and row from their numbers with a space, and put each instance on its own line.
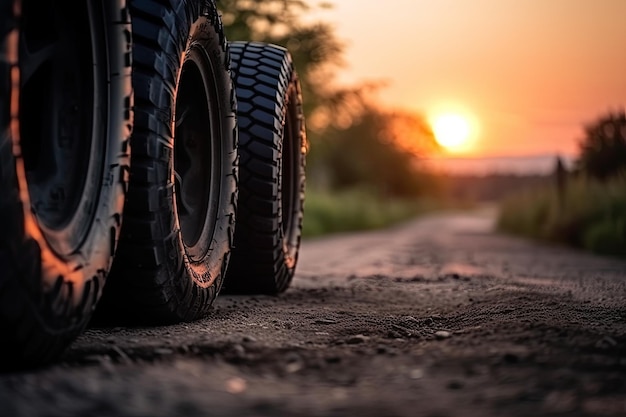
column 236, row 385
column 416, row 374
column 239, row 350
column 249, row 339
column 293, row 367
column 357, row 339
column 442, row 334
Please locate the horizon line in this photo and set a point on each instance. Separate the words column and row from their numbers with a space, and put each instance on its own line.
column 473, row 158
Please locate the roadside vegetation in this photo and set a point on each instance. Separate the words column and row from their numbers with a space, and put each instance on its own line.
column 358, row 209
column 590, row 215
column 585, row 208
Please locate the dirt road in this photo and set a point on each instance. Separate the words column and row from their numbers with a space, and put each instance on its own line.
column 439, row 317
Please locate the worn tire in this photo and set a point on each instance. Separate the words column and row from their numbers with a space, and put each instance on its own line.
column 8, row 59
column 63, row 170
column 179, row 214
column 272, row 147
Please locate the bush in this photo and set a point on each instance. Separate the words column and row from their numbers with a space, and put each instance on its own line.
column 590, row 215
column 606, row 237
column 603, row 148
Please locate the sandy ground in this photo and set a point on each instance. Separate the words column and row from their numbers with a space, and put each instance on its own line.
column 438, row 317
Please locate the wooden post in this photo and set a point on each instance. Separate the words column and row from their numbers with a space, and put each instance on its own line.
column 561, row 180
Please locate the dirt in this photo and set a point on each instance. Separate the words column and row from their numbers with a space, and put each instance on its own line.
column 437, row 317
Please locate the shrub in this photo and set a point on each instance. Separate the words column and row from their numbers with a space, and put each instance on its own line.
column 591, row 215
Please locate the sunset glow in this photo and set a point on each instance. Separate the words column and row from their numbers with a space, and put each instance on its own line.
column 452, row 132
column 531, row 74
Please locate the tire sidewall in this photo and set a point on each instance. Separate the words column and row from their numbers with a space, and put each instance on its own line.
column 208, row 269
column 65, row 287
column 293, row 115
column 46, row 299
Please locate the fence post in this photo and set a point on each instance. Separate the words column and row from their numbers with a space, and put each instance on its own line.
column 561, row 181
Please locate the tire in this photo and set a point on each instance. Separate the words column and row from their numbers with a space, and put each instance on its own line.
column 8, row 58
column 179, row 214
column 63, row 171
column 272, row 146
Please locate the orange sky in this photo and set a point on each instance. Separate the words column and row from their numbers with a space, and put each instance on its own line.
column 529, row 72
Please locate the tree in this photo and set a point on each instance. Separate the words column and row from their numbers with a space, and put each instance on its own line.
column 380, row 150
column 315, row 49
column 603, row 149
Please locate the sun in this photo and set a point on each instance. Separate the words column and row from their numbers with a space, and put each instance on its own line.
column 452, row 131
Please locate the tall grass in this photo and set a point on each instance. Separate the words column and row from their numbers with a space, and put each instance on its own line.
column 588, row 214
column 357, row 209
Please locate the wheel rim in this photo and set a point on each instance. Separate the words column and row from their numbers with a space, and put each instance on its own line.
column 290, row 176
column 197, row 150
column 62, row 126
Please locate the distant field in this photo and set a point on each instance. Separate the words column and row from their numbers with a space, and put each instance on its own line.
column 589, row 215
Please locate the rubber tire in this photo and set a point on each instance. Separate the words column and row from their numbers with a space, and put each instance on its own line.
column 7, row 60
column 47, row 296
column 272, row 148
column 155, row 278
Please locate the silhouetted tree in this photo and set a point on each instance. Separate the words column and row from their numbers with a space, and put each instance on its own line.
column 603, row 149
column 380, row 151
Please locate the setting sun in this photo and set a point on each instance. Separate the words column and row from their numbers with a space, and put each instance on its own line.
column 452, row 132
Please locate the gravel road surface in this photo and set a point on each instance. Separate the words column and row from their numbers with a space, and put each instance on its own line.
column 437, row 317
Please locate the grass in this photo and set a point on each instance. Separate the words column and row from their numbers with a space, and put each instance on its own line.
column 589, row 215
column 342, row 211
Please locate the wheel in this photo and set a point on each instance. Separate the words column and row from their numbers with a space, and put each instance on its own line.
column 63, row 173
column 272, row 147
column 179, row 214
column 8, row 58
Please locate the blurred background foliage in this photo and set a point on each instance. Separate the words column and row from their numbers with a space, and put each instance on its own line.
column 586, row 207
column 354, row 144
column 365, row 164
column 315, row 49
column 603, row 147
